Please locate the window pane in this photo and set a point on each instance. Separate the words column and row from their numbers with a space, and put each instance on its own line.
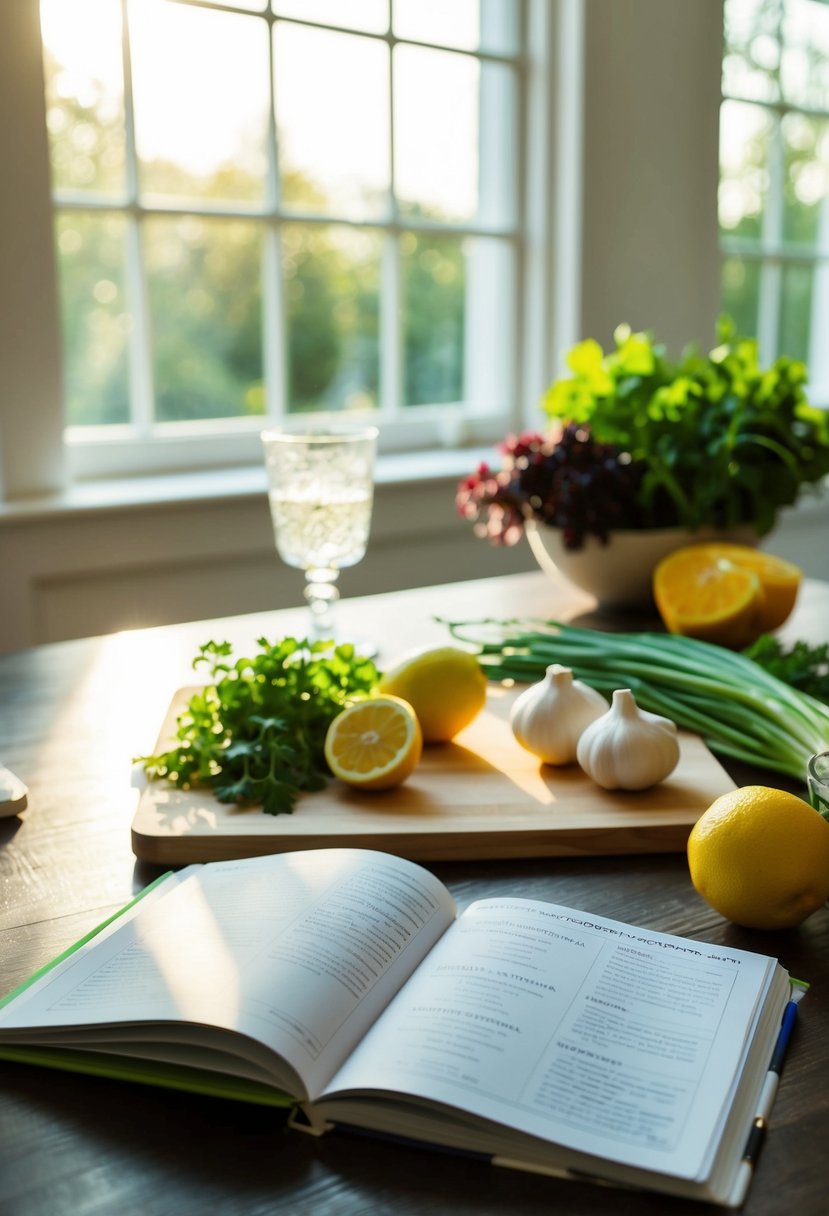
column 740, row 293
column 201, row 89
column 805, row 62
column 372, row 16
column 457, row 24
column 436, row 133
column 84, row 94
column 459, row 309
column 751, row 56
column 796, row 311
column 751, row 59
column 745, row 137
column 806, row 182
column 470, row 25
column 95, row 317
column 332, row 277
column 434, row 290
column 333, row 156
column 204, row 281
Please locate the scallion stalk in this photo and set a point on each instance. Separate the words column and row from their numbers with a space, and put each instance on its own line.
column 740, row 709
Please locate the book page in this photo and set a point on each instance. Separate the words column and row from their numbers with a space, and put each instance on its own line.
column 298, row 951
column 598, row 1036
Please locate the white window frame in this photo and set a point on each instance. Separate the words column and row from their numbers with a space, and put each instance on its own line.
column 546, row 71
column 773, row 255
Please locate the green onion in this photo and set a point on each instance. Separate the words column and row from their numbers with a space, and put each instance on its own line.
column 740, row 709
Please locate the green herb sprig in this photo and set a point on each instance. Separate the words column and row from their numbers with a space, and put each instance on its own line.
column 801, row 665
column 255, row 734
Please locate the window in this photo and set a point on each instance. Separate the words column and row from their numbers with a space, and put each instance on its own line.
column 264, row 210
column 774, row 179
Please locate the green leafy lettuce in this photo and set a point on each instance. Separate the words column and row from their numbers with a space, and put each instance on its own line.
column 723, row 441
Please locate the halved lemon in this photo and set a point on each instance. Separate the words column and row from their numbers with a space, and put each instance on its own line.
column 701, row 594
column 374, row 744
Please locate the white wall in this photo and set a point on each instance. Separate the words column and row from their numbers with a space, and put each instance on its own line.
column 29, row 366
column 651, row 164
column 90, row 571
column 96, row 571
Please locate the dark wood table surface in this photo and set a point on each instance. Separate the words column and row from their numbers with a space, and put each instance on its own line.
column 72, row 716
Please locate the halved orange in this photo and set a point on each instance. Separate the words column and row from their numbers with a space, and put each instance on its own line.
column 703, row 595
column 780, row 579
column 374, row 744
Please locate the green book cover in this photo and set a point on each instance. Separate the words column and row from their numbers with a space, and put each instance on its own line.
column 123, row 1068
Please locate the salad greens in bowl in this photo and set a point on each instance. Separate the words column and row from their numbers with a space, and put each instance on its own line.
column 636, row 440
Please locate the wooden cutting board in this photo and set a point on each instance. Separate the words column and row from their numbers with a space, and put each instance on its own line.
column 481, row 796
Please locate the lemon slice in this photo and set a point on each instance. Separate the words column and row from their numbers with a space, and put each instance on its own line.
column 374, row 744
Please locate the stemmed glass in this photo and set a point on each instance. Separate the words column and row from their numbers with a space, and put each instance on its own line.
column 321, row 491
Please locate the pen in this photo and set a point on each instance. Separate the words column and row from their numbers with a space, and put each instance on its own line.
column 759, row 1123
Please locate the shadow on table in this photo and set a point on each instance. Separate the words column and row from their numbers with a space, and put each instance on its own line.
column 9, row 827
column 137, row 1141
column 161, row 1152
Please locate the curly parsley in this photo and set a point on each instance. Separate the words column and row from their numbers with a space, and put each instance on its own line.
column 800, row 665
column 255, row 733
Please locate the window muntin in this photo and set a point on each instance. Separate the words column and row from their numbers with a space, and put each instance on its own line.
column 330, row 251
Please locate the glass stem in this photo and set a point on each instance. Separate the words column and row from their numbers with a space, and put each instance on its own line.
column 322, row 594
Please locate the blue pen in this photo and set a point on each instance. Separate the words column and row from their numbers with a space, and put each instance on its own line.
column 767, row 1095
column 782, row 1044
column 769, row 1090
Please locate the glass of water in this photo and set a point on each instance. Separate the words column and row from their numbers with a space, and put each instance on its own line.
column 321, row 491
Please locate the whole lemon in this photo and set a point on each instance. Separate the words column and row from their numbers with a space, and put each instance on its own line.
column 446, row 687
column 760, row 857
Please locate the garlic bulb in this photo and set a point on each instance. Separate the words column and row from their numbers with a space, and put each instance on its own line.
column 628, row 748
column 548, row 718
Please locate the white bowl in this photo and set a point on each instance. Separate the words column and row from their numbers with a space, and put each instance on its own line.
column 620, row 573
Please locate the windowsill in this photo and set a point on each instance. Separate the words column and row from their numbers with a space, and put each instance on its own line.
column 192, row 488
column 122, row 494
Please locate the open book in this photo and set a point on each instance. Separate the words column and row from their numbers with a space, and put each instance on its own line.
column 345, row 981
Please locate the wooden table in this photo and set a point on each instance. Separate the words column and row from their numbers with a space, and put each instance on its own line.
column 72, row 716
